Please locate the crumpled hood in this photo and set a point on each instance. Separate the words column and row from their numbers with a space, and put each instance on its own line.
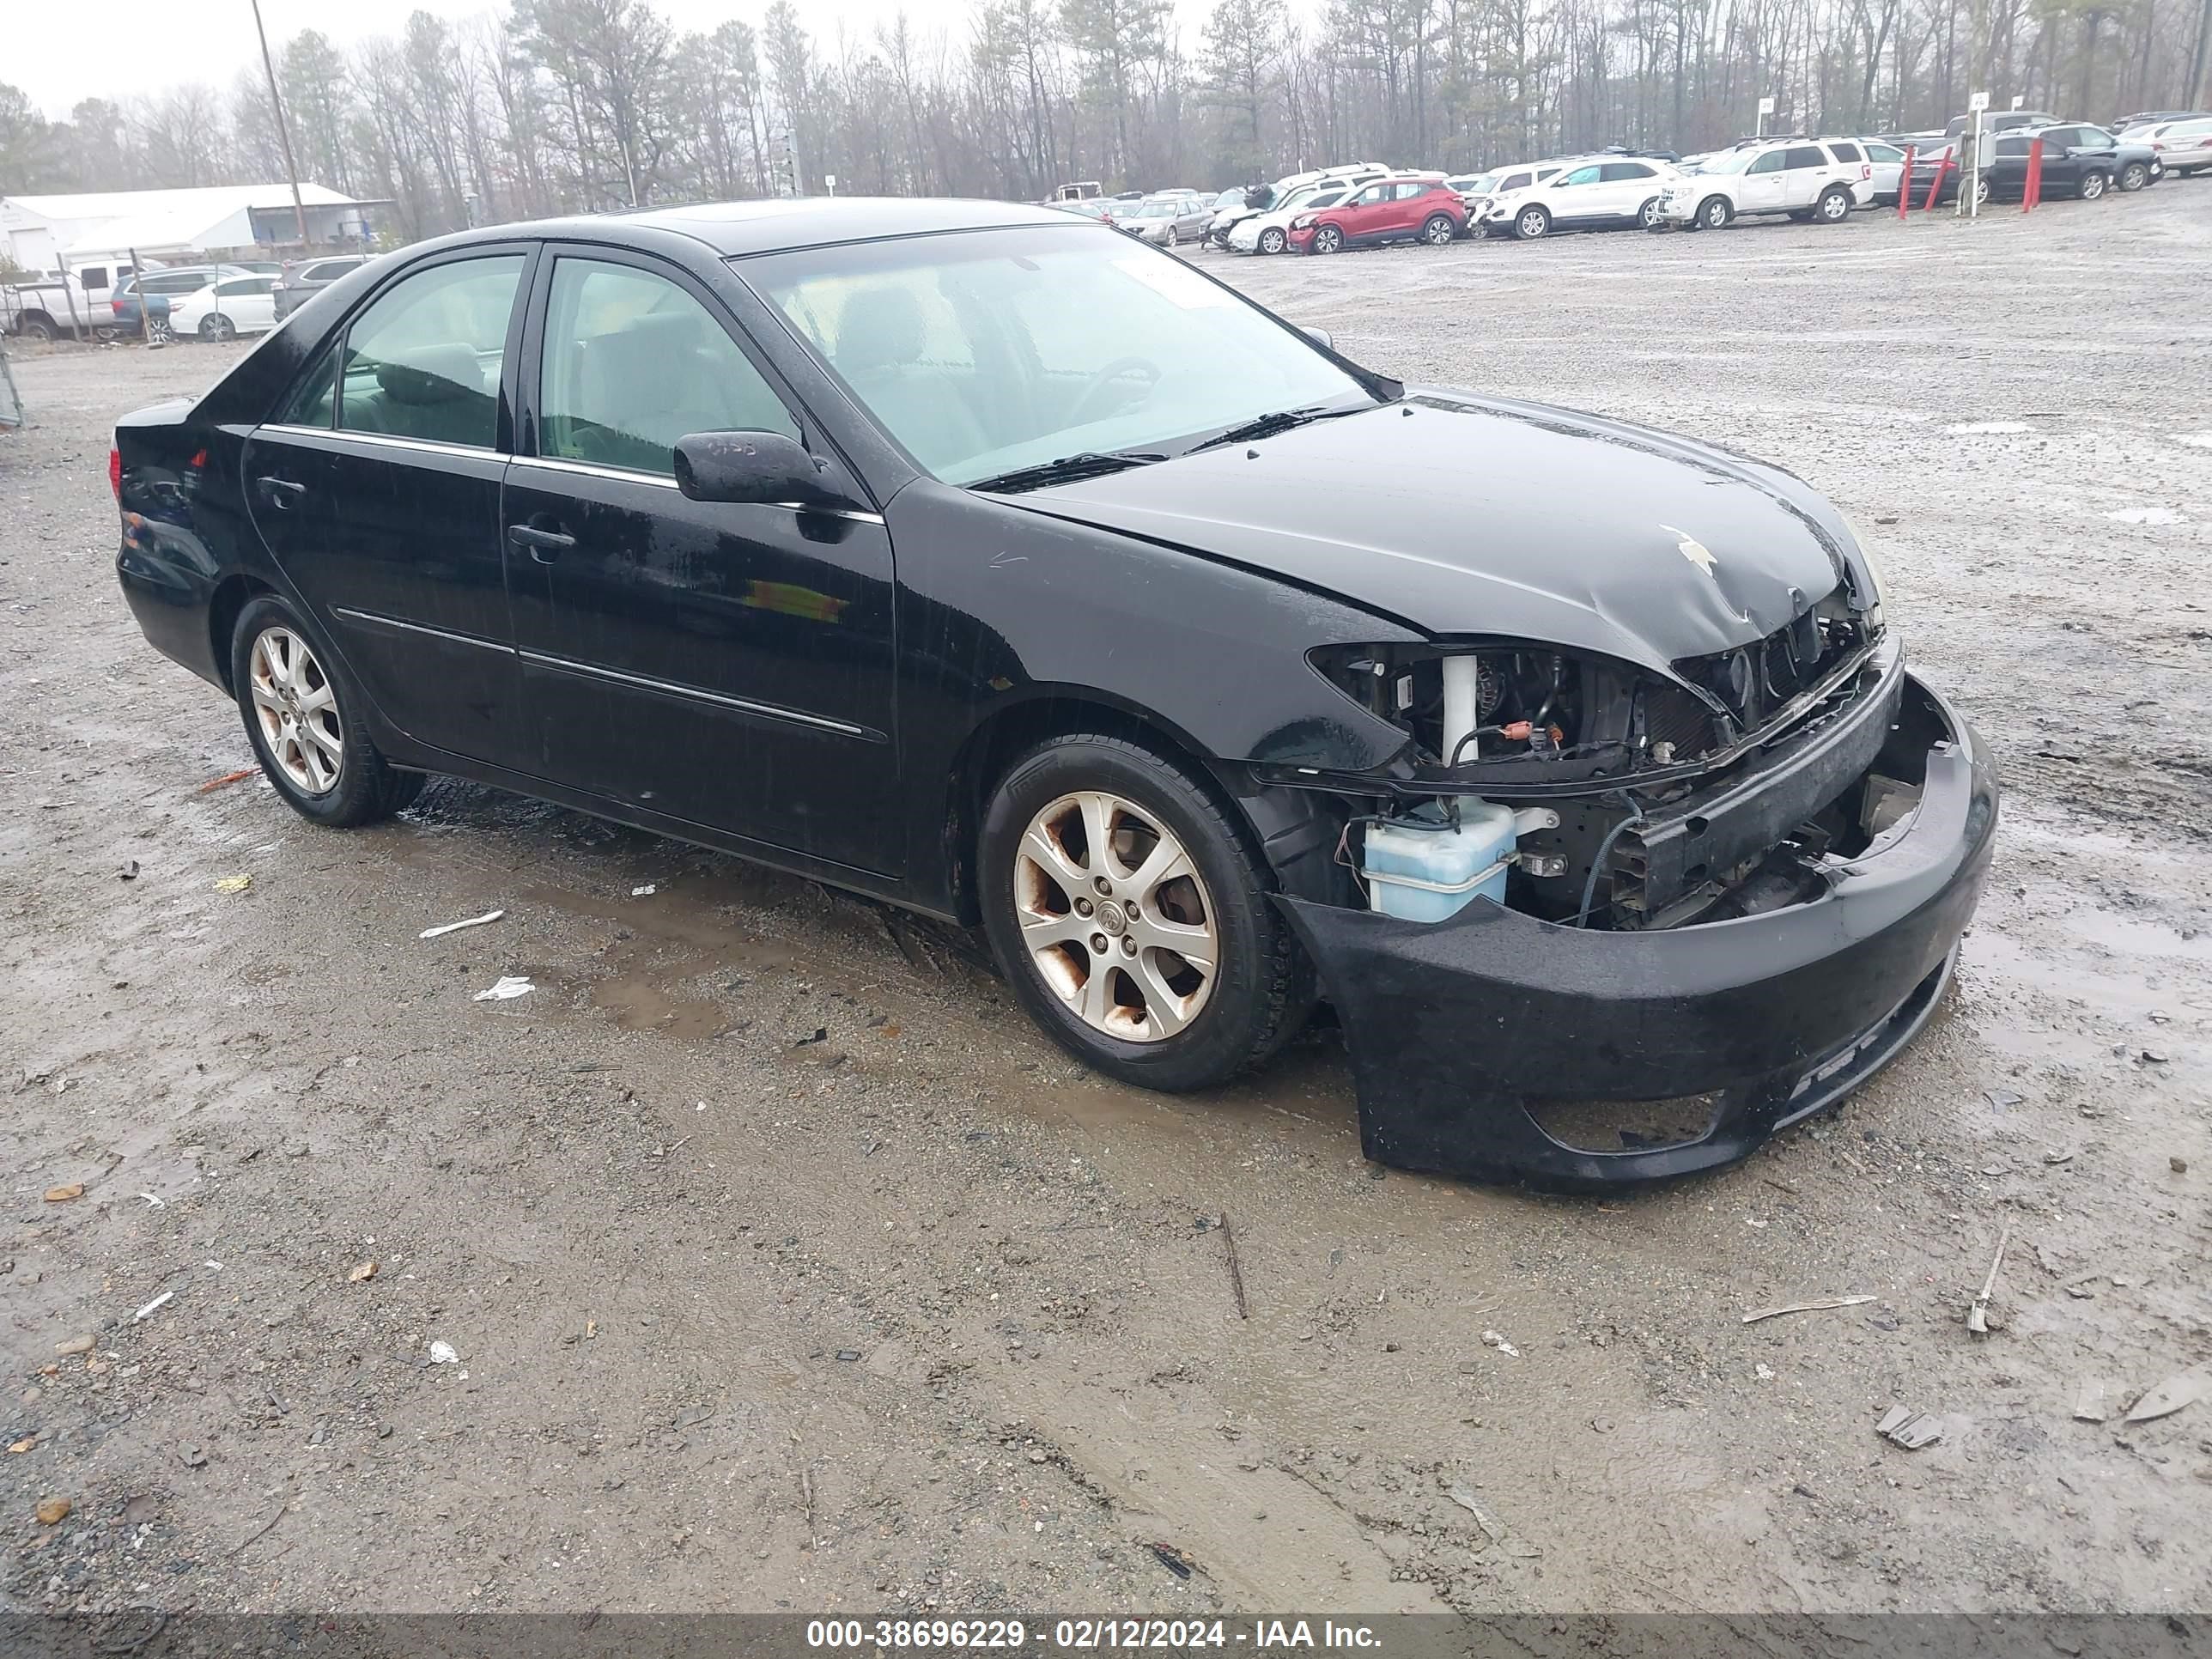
column 1459, row 514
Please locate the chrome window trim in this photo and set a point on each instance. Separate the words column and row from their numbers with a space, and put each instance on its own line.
column 388, row 440
column 595, row 470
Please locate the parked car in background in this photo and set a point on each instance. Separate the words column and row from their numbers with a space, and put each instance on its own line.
column 1400, row 208
column 1484, row 188
column 2184, row 147
column 2081, row 161
column 1885, row 172
column 1083, row 190
column 1807, row 179
column 148, row 296
column 2150, row 118
column 297, row 279
column 1270, row 232
column 80, row 301
column 1166, row 221
column 1093, row 209
column 228, row 306
column 1613, row 194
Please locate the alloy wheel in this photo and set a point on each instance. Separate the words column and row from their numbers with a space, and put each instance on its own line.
column 1647, row 217
column 1532, row 223
column 297, row 708
column 1172, row 239
column 1715, row 213
column 2092, row 186
column 1327, row 239
column 1115, row 917
column 1835, row 207
column 1271, row 241
column 1440, row 232
column 207, row 330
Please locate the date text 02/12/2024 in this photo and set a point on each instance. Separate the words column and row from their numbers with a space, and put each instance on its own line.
column 1264, row 1634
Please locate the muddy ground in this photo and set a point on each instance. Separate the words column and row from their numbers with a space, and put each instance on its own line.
column 919, row 1314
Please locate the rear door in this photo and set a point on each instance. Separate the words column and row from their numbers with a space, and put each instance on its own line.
column 247, row 301
column 1629, row 185
column 377, row 493
column 1806, row 172
column 729, row 665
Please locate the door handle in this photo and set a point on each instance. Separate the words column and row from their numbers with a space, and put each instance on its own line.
column 282, row 493
column 545, row 545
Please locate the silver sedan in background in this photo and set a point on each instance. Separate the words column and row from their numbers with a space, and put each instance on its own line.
column 1167, row 220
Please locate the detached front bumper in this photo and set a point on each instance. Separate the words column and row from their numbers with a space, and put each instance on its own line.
column 1461, row 1032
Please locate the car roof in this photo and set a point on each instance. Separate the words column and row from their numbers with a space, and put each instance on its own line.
column 734, row 229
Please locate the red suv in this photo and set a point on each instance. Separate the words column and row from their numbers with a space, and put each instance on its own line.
column 1421, row 209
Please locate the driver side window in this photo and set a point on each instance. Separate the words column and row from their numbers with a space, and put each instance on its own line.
column 1769, row 162
column 632, row 363
column 1582, row 176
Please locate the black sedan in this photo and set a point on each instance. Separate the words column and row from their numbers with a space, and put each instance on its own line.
column 2081, row 161
column 976, row 558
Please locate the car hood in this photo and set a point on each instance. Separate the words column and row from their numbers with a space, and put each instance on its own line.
column 1462, row 515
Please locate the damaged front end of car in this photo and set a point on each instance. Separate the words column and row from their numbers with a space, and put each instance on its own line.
column 1601, row 924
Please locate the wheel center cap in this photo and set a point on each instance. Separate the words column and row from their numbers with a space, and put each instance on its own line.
column 1113, row 918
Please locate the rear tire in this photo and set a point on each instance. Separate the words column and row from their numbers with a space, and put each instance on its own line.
column 1439, row 231
column 36, row 328
column 1647, row 217
column 1258, row 986
column 286, row 679
column 1833, row 207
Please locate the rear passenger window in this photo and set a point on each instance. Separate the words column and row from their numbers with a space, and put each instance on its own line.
column 1804, row 155
column 1844, row 152
column 423, row 360
column 1619, row 172
column 632, row 363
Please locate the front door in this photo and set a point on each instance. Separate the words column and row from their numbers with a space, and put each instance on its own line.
column 1580, row 196
column 1765, row 184
column 378, row 495
column 729, row 666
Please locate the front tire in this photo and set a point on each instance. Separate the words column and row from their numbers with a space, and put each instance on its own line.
column 1328, row 239
column 303, row 716
column 1714, row 212
column 1530, row 223
column 1130, row 916
column 1172, row 241
column 2134, row 177
column 1271, row 241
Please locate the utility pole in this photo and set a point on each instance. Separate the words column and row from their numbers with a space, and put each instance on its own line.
column 283, row 132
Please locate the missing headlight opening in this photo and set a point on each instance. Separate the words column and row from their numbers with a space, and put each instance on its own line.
column 1581, row 789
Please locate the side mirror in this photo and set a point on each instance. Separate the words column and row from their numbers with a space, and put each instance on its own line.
column 1319, row 337
column 750, row 465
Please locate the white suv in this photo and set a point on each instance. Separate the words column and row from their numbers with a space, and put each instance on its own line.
column 1602, row 192
column 1807, row 179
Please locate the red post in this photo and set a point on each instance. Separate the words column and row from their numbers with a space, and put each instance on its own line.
column 1935, row 184
column 1905, row 185
column 2032, row 192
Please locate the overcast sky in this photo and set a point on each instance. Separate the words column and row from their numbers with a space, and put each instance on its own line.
column 61, row 50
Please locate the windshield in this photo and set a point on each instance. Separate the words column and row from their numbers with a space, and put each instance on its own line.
column 1155, row 210
column 1480, row 185
column 988, row 351
column 1729, row 160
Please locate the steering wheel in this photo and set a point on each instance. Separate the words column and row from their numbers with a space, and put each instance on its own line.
column 1095, row 388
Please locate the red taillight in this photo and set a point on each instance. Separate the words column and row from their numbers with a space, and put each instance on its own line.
column 115, row 472
column 198, row 460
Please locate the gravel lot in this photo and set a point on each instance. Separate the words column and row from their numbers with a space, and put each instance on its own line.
column 918, row 1316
